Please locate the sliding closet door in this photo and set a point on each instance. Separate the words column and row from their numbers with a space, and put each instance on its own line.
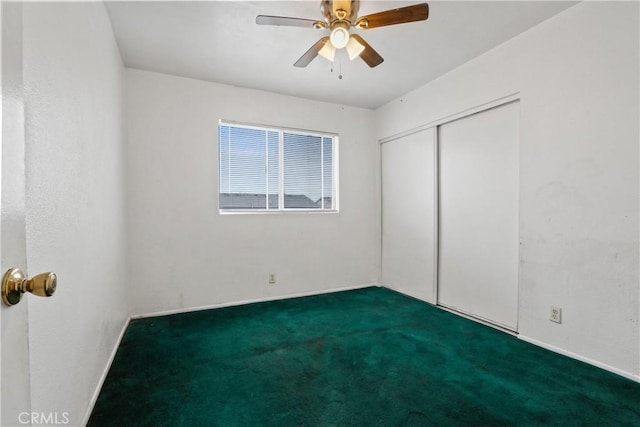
column 408, row 214
column 478, row 202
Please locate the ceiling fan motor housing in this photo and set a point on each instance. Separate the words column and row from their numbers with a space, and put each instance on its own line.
column 339, row 10
column 339, row 17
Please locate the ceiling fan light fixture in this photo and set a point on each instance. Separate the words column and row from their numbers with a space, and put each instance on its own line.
column 339, row 37
column 354, row 48
column 327, row 51
column 338, row 17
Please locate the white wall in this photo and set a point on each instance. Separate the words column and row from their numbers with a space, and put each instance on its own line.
column 73, row 78
column 578, row 78
column 577, row 75
column 185, row 254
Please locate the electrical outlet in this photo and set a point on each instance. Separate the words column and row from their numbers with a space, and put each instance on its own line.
column 556, row 314
column 272, row 278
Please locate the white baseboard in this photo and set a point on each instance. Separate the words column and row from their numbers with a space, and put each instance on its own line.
column 533, row 341
column 572, row 355
column 103, row 377
column 251, row 301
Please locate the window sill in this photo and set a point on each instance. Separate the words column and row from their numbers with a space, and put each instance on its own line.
column 276, row 212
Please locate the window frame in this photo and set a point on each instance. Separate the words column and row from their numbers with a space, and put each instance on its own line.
column 281, row 130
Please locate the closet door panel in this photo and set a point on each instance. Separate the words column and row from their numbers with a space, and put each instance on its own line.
column 478, row 215
column 408, row 214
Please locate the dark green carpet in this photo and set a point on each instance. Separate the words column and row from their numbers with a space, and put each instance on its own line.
column 366, row 357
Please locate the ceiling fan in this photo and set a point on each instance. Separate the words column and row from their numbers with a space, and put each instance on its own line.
column 339, row 16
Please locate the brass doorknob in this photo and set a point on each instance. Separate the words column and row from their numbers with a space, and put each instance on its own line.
column 15, row 283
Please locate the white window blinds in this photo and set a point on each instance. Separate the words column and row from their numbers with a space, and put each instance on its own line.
column 275, row 169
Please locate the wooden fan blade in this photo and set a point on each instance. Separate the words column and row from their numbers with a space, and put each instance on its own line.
column 368, row 55
column 311, row 54
column 289, row 22
column 418, row 12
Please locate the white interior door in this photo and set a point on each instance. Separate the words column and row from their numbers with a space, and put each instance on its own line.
column 408, row 214
column 15, row 392
column 479, row 217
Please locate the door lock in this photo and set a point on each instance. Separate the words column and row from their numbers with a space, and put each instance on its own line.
column 15, row 283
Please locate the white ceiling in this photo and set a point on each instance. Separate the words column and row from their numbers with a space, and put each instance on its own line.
column 219, row 41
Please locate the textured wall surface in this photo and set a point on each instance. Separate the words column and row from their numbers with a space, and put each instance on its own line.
column 184, row 253
column 73, row 79
column 578, row 79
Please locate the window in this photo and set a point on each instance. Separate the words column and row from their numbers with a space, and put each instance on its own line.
column 270, row 169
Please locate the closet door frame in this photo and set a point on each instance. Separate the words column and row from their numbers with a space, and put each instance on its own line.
column 495, row 281
column 421, row 280
column 435, row 124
